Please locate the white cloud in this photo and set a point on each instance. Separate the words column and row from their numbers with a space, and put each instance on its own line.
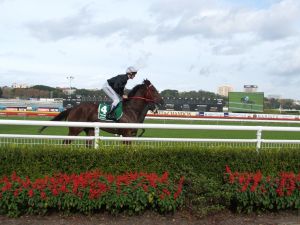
column 184, row 45
column 288, row 64
column 82, row 25
column 213, row 21
column 57, row 29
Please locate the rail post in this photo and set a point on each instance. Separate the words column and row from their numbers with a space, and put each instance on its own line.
column 97, row 131
column 258, row 138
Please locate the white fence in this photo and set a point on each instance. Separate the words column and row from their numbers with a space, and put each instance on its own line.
column 256, row 141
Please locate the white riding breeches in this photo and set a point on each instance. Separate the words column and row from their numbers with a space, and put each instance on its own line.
column 112, row 94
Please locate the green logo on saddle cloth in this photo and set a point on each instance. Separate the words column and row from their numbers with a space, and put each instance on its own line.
column 104, row 108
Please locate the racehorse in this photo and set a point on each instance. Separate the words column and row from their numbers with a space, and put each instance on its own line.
column 135, row 107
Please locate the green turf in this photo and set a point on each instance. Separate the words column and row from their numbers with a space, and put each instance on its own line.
column 13, row 129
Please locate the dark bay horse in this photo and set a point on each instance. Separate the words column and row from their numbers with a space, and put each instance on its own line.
column 140, row 99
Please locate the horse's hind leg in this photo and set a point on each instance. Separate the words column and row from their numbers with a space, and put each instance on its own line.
column 73, row 131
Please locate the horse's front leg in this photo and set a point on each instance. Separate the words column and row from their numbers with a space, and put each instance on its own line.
column 128, row 133
column 89, row 132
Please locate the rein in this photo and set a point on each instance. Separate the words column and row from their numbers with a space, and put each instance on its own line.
column 141, row 98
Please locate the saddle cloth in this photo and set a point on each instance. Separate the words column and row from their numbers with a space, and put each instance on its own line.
column 104, row 109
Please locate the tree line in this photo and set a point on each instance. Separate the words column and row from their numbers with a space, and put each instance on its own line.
column 42, row 91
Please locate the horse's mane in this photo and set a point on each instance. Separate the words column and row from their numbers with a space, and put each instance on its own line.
column 133, row 91
column 137, row 87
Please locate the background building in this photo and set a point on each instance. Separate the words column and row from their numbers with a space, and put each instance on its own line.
column 224, row 90
column 15, row 85
column 274, row 96
column 250, row 88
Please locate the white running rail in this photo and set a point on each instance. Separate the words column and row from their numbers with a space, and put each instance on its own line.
column 98, row 125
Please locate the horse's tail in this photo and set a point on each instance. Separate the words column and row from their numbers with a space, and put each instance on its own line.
column 61, row 116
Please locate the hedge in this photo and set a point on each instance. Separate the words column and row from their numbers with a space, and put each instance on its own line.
column 39, row 161
column 203, row 168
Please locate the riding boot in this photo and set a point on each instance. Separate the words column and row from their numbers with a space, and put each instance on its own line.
column 111, row 114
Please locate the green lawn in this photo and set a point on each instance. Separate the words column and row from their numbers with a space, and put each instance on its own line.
column 13, row 129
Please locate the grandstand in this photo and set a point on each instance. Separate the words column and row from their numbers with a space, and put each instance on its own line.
column 55, row 105
column 176, row 104
column 42, row 104
column 193, row 104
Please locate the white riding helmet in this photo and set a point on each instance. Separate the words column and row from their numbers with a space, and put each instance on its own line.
column 131, row 69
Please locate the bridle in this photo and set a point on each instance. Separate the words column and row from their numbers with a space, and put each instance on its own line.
column 148, row 97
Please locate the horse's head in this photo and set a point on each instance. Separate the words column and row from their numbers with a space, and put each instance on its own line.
column 152, row 93
column 147, row 92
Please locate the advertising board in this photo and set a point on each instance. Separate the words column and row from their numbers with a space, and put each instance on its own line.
column 246, row 101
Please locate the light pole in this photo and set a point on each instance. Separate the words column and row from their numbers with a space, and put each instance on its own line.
column 70, row 78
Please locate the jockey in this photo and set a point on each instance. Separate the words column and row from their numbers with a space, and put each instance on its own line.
column 114, row 87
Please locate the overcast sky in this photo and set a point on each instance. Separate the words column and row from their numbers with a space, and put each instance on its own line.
column 176, row 44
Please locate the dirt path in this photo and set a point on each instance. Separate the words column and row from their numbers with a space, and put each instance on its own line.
column 150, row 218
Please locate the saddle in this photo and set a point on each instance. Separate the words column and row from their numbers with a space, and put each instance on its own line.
column 104, row 109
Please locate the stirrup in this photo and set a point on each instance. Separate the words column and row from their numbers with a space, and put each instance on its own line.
column 110, row 116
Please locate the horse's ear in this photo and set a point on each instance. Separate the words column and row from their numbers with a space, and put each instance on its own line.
column 147, row 82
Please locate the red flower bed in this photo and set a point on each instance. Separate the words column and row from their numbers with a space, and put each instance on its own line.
column 252, row 191
column 88, row 192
